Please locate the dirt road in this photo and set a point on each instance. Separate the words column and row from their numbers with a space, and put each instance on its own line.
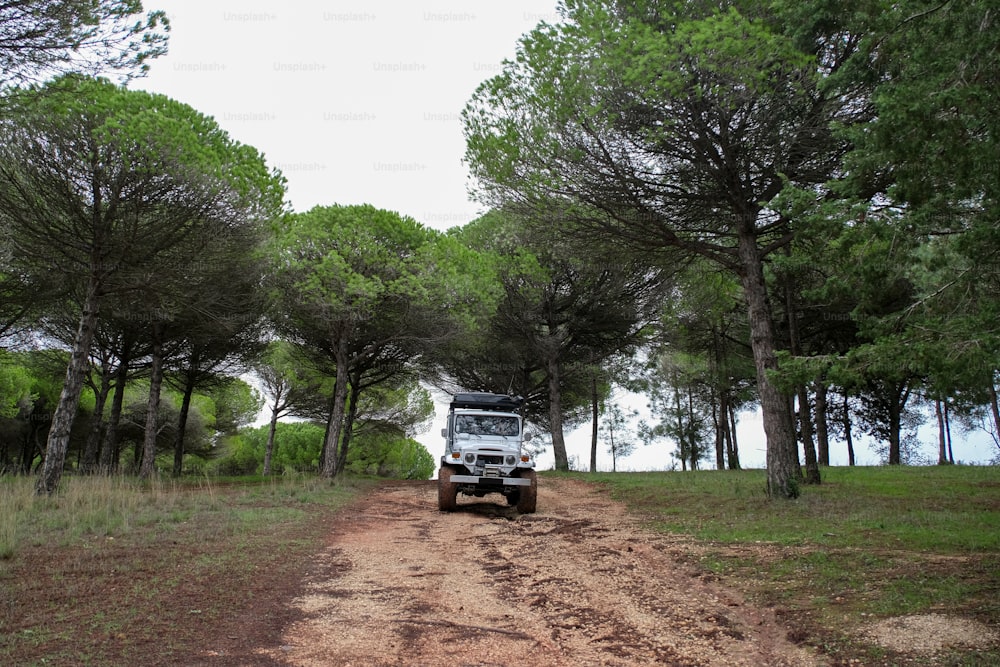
column 577, row 583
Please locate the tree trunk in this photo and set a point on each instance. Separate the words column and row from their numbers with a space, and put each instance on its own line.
column 614, row 452
column 69, row 398
column 808, row 445
column 897, row 403
column 109, row 451
column 942, row 444
column 804, row 414
column 555, row 411
column 679, row 426
column 847, row 431
column 782, row 450
column 182, row 419
column 947, row 431
column 269, row 448
column 822, row 432
column 726, row 421
column 693, row 448
column 91, row 452
column 895, row 456
column 732, row 444
column 326, row 434
column 720, row 441
column 354, row 391
column 594, row 408
column 148, row 465
column 276, row 409
column 718, row 406
column 336, row 422
column 995, row 411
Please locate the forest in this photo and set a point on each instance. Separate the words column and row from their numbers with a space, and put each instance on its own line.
column 722, row 206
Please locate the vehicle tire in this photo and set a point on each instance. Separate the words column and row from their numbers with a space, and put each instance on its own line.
column 447, row 490
column 526, row 503
column 514, row 497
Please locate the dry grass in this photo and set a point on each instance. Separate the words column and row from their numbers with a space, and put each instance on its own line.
column 110, row 571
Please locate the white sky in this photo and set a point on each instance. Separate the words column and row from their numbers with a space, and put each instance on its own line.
column 360, row 102
column 355, row 102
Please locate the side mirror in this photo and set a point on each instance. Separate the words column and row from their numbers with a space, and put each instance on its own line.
column 444, row 433
column 526, row 438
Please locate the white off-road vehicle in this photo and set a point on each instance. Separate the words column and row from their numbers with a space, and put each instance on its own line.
column 484, row 452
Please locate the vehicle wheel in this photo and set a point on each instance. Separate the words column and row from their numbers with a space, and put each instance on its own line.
column 447, row 490
column 526, row 503
column 514, row 497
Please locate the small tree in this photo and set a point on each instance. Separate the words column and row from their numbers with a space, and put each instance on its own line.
column 677, row 386
column 287, row 384
column 618, row 435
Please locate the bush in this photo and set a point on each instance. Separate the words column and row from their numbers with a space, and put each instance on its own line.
column 297, row 446
column 388, row 456
column 241, row 457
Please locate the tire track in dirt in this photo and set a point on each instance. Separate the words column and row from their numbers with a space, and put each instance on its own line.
column 577, row 583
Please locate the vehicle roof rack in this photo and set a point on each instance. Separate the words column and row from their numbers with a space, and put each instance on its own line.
column 486, row 401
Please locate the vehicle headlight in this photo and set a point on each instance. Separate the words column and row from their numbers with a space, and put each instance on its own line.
column 511, row 460
column 470, row 458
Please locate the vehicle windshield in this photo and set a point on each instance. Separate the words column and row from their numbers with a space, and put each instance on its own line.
column 486, row 424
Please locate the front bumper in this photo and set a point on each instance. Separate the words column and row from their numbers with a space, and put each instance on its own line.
column 490, row 481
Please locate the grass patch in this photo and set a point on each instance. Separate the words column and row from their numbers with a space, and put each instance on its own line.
column 868, row 543
column 112, row 571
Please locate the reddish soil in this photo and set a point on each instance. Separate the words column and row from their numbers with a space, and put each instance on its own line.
column 398, row 583
column 577, row 583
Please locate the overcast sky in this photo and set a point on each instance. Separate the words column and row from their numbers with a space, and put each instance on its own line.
column 355, row 102
column 360, row 102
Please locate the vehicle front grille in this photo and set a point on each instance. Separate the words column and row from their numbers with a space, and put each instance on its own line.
column 483, row 459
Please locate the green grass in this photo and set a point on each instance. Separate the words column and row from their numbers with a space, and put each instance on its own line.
column 955, row 509
column 867, row 543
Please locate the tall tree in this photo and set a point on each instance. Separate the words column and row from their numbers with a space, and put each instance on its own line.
column 566, row 311
column 926, row 168
column 98, row 182
column 671, row 127
column 40, row 38
column 219, row 325
column 356, row 285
